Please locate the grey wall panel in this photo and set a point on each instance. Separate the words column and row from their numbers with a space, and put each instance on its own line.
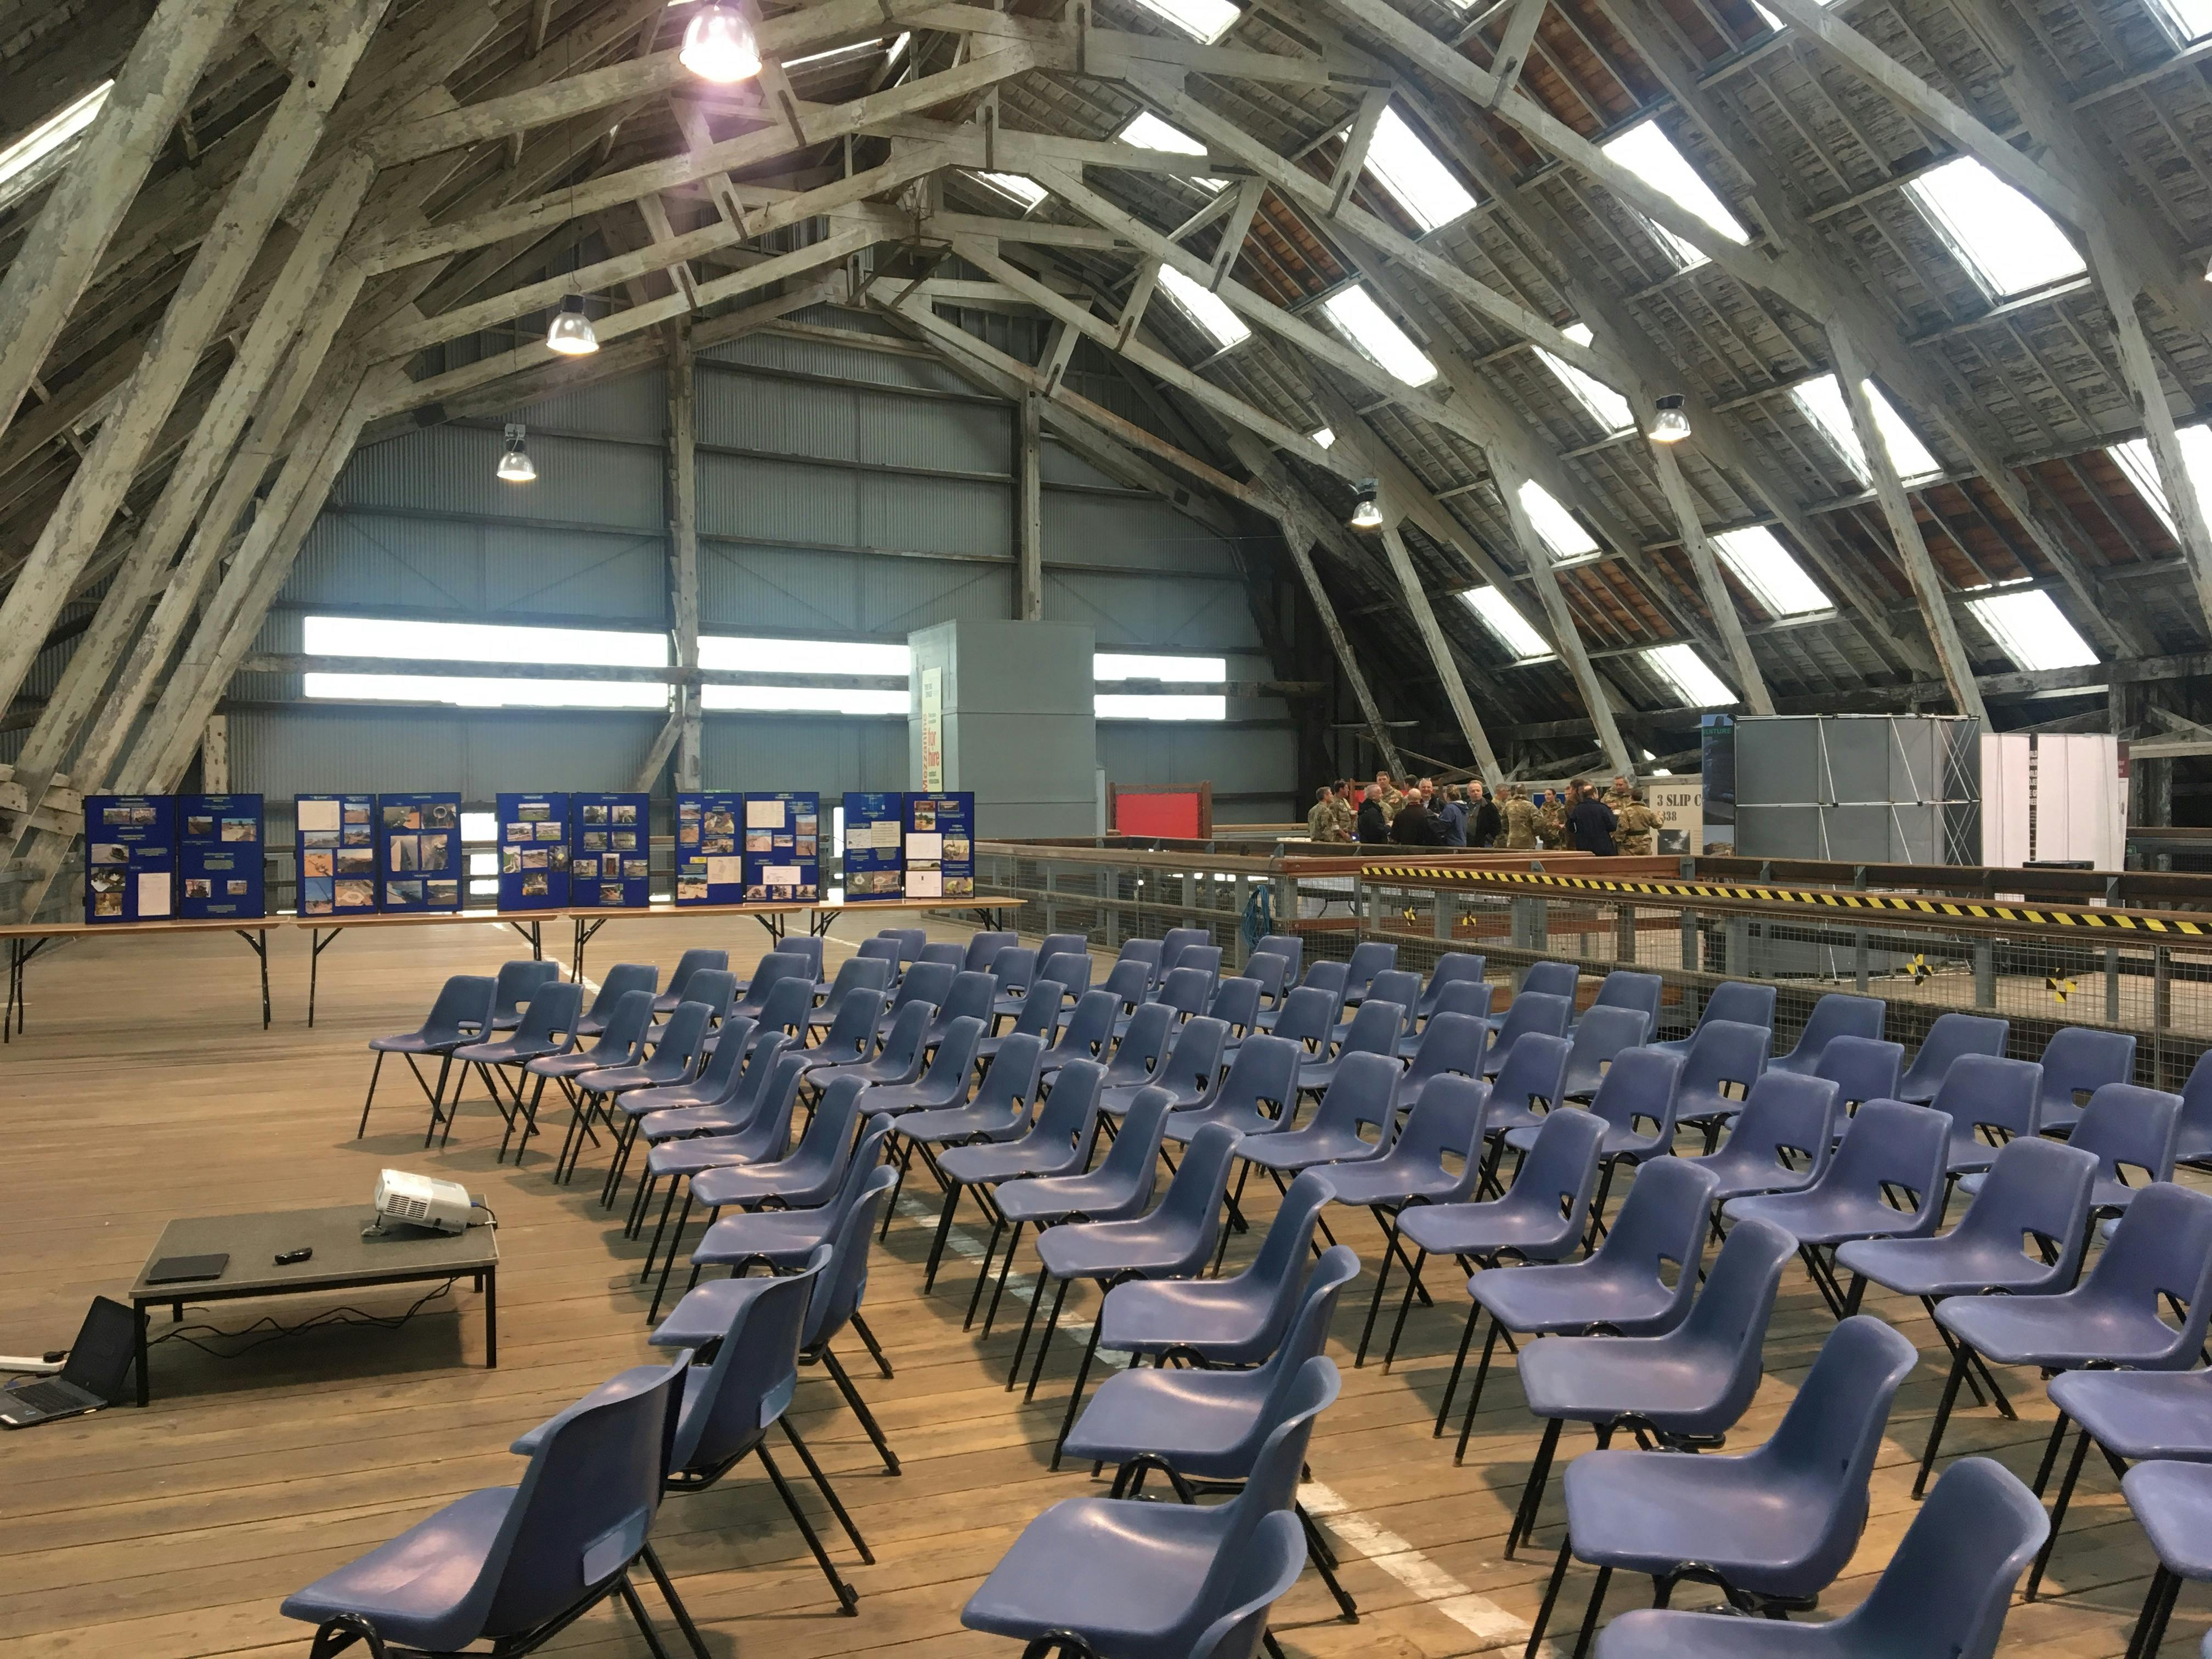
column 328, row 747
column 1141, row 612
column 366, row 559
column 452, row 468
column 1238, row 761
column 782, row 417
column 636, row 406
column 1061, row 466
column 845, row 595
column 804, row 752
column 935, row 515
column 618, row 579
column 777, row 500
column 935, row 432
column 1149, row 535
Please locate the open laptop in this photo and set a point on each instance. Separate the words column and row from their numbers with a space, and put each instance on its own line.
column 99, row 1360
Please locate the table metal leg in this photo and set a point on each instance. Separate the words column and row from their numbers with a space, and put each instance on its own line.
column 491, row 1318
column 145, row 1385
column 258, row 943
column 319, row 939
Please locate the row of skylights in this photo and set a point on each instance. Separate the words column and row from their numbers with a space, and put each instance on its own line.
column 845, row 54
column 1604, row 405
column 2010, row 244
column 2136, row 461
column 1207, row 309
column 1776, row 580
column 1415, row 180
column 2031, row 630
column 1682, row 668
column 1825, row 406
column 428, row 642
column 1646, row 151
column 1510, row 627
column 1019, row 187
column 49, row 136
column 1366, row 324
column 1202, row 20
column 1561, row 531
column 2187, row 21
column 1148, row 131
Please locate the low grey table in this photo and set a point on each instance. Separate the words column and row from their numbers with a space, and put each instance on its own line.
column 343, row 1260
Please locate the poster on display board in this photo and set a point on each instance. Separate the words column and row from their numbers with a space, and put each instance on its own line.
column 782, row 846
column 130, row 857
column 335, row 836
column 219, row 847
column 710, row 868
column 533, row 851
column 875, row 858
column 940, row 846
column 1680, row 805
column 418, row 845
column 609, row 858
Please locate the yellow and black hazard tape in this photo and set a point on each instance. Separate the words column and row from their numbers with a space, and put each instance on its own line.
column 2125, row 922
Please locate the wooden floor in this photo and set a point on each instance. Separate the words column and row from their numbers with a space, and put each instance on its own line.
column 144, row 1090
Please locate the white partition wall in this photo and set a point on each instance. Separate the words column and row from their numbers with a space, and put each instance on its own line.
column 2053, row 798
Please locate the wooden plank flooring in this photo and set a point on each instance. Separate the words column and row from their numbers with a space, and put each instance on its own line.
column 144, row 1090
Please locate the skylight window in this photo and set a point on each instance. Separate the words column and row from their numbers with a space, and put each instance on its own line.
column 1562, row 531
column 1825, row 406
column 1324, row 435
column 2136, row 461
column 1646, row 151
column 1159, row 706
column 1204, row 307
column 1366, row 325
column 1146, row 130
column 1681, row 667
column 2033, row 631
column 846, row 54
column 2188, row 21
column 1205, row 20
column 1416, row 180
column 1605, row 405
column 1025, row 190
column 2010, row 244
column 1777, row 581
column 43, row 140
column 1512, row 629
column 765, row 656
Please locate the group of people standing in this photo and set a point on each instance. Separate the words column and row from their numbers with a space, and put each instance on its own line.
column 1405, row 813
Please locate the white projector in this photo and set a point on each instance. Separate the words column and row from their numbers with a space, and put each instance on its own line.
column 442, row 1207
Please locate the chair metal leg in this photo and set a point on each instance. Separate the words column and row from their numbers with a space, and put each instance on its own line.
column 642, row 1199
column 944, row 1232
column 860, row 1409
column 1474, row 1392
column 875, row 1348
column 675, row 1602
column 1382, row 1278
column 1005, row 1270
column 1590, row 1612
column 2157, row 1608
column 848, row 1599
column 983, row 1272
column 667, row 1203
column 1943, row 1417
column 2050, row 1448
column 1532, row 1494
column 1075, row 1399
column 629, row 1593
column 1045, row 1343
column 1324, row 1563
column 1551, row 1598
column 2057, row 1515
column 828, row 1492
column 1404, row 1306
column 375, row 1071
column 668, row 1262
column 1459, row 1364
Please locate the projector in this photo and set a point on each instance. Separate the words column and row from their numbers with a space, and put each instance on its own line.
column 441, row 1206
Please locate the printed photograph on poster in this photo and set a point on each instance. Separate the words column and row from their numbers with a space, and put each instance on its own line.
column 960, row 887
column 402, row 818
column 436, row 849
column 720, row 823
column 804, row 846
column 356, row 894
column 237, row 889
column 927, row 847
column 110, row 853
column 318, row 814
column 356, row 862
column 755, row 893
column 443, row 893
column 690, row 891
column 924, row 815
column 200, row 827
column 534, row 812
column 239, row 829
column 762, row 815
column 760, row 841
column 516, row 832
column 356, row 814
column 405, row 853
column 534, row 884
column 595, row 841
column 725, row 869
column 317, row 864
column 805, row 823
column 121, row 816
column 153, row 895
column 635, row 869
column 404, row 892
column 924, row 883
column 595, row 814
column 441, row 815
column 956, row 849
column 198, row 887
column 510, row 860
column 107, row 904
column 549, row 831
column 625, row 812
column 611, row 894
column 625, row 841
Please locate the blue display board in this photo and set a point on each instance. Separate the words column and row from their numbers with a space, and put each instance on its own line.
column 533, row 851
column 609, row 855
column 875, row 859
column 940, row 846
column 418, row 851
column 130, row 857
column 710, row 868
column 219, row 854
column 335, row 836
column 782, row 845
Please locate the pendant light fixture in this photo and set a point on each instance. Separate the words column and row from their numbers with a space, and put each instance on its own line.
column 515, row 465
column 572, row 335
column 1672, row 425
column 719, row 45
column 1365, row 513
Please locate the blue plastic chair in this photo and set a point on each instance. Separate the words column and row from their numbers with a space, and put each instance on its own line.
column 2172, row 1504
column 516, row 983
column 1536, row 1070
column 1453, row 968
column 855, row 976
column 548, row 1027
column 2076, row 1063
column 1086, row 1035
column 2193, row 1144
column 2132, row 1416
column 1626, row 988
column 851, row 1037
column 970, row 997
column 1951, row 1035
column 2162, row 1250
column 1236, row 1003
column 1986, row 1094
column 1060, row 1141
column 1203, row 1429
column 1943, row 1594
column 1621, row 1288
column 1363, row 1096
column 716, row 1085
column 886, row 949
column 1538, row 1012
column 1781, row 1139
column 1230, row 1322
column 1175, row 942
column 1327, row 978
column 1862, row 1069
column 1772, row 1527
column 2126, row 1127
column 1893, row 1148
column 1011, row 971
column 1307, row 1017
column 983, row 949
column 1198, row 966
column 1449, row 1045
column 1723, row 1053
column 784, row 1009
column 1145, row 953
column 836, row 1306
column 1374, row 1031
column 1139, row 1052
column 1837, row 1014
column 1291, row 947
column 1187, row 1071
column 733, row 1112
column 514, row 1564
column 1056, row 945
column 999, row 1110
column 1597, row 1040
column 673, row 1061
column 943, row 1082
column 714, row 989
column 772, row 970
column 730, row 1402
column 926, row 982
column 1153, row 1580
column 1369, row 958
column 620, row 981
column 1271, row 974
column 945, row 955
column 781, row 1240
column 763, row 1138
column 1637, row 1099
column 1737, row 1000
column 899, row 1060
column 721, row 1119
column 1071, row 969
column 1684, row 1387
column 1175, row 1240
column 1184, row 993
column 679, row 982
column 1253, row 1097
column 1550, row 979
column 1541, row 1217
column 1393, row 985
column 460, row 1016
column 1470, row 999
column 910, row 941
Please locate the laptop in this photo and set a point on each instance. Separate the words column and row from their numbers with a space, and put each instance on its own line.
column 92, row 1378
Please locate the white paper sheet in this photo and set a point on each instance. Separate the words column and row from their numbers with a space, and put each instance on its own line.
column 924, row 883
column 764, row 815
column 319, row 814
column 724, row 872
column 925, row 844
column 779, row 875
column 153, row 895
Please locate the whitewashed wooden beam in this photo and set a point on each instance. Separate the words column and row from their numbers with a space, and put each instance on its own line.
column 1683, row 504
column 1416, row 598
column 683, row 550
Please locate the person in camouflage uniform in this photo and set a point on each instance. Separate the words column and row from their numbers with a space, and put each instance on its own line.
column 1387, row 795
column 1552, row 820
column 1520, row 819
column 1636, row 824
column 1331, row 818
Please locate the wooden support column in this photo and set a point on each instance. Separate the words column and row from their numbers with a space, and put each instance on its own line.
column 1028, row 509
column 1718, row 600
column 1564, row 635
column 215, row 755
column 226, row 253
column 684, row 554
column 1440, row 651
column 1303, row 559
column 60, row 257
column 1912, row 549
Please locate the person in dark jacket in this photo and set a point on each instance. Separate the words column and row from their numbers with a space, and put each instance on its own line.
column 1484, row 826
column 1590, row 821
column 1452, row 815
column 1372, row 827
column 1416, row 826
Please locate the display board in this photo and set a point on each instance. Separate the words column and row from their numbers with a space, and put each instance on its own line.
column 219, row 852
column 782, row 845
column 709, row 867
column 1182, row 811
column 875, row 855
column 609, row 858
column 533, row 851
column 335, row 836
column 418, row 851
column 130, row 857
column 940, row 846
